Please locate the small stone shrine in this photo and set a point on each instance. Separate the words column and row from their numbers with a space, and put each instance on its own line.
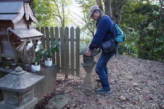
column 88, row 65
column 18, row 38
column 17, row 34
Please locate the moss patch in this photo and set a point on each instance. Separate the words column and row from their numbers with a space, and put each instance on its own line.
column 2, row 75
column 1, row 97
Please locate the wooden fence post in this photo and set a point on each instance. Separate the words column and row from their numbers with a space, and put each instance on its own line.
column 66, row 43
column 52, row 38
column 58, row 53
column 72, row 51
column 62, row 49
column 78, row 51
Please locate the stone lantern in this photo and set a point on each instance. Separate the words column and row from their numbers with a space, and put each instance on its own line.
column 18, row 89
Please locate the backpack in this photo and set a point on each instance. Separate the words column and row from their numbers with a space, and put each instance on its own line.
column 119, row 34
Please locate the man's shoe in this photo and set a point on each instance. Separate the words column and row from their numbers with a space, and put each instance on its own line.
column 103, row 91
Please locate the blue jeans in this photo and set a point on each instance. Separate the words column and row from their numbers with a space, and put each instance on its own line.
column 102, row 71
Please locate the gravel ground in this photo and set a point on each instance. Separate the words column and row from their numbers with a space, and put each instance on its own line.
column 135, row 83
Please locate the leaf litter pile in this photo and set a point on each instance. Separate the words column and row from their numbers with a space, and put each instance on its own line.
column 135, row 83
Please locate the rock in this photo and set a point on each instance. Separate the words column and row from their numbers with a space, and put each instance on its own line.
column 122, row 98
column 102, row 101
column 161, row 82
column 138, row 89
column 148, row 97
column 18, row 69
column 161, row 105
column 58, row 102
column 154, row 106
column 135, row 84
column 129, row 77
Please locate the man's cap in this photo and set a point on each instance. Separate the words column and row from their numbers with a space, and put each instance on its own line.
column 93, row 9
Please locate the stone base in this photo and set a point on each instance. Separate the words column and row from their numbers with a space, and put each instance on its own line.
column 29, row 105
column 89, row 82
column 58, row 102
column 48, row 84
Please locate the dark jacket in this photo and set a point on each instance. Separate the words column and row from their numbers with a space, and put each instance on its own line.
column 104, row 32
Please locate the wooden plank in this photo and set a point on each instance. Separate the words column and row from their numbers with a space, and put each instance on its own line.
column 72, row 50
column 66, row 37
column 58, row 53
column 68, row 51
column 78, row 51
column 52, row 38
column 62, row 52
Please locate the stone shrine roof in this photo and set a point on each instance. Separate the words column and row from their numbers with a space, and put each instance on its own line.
column 26, row 33
column 19, row 81
column 15, row 11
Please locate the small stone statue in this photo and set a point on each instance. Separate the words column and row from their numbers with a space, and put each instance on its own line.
column 88, row 65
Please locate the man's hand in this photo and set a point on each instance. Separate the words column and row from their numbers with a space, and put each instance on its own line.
column 88, row 53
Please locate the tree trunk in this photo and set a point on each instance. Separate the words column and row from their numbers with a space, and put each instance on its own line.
column 108, row 7
column 117, row 6
column 161, row 3
column 63, row 15
column 99, row 3
column 112, row 8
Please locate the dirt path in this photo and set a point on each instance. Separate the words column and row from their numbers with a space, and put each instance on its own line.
column 136, row 84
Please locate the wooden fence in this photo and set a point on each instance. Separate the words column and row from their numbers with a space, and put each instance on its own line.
column 67, row 59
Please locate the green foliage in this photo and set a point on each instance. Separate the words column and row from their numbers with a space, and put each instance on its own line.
column 151, row 34
column 51, row 13
column 2, row 74
column 145, row 19
column 44, row 10
column 43, row 53
column 54, row 47
column 142, row 21
column 39, row 55
column 129, row 47
column 89, row 26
